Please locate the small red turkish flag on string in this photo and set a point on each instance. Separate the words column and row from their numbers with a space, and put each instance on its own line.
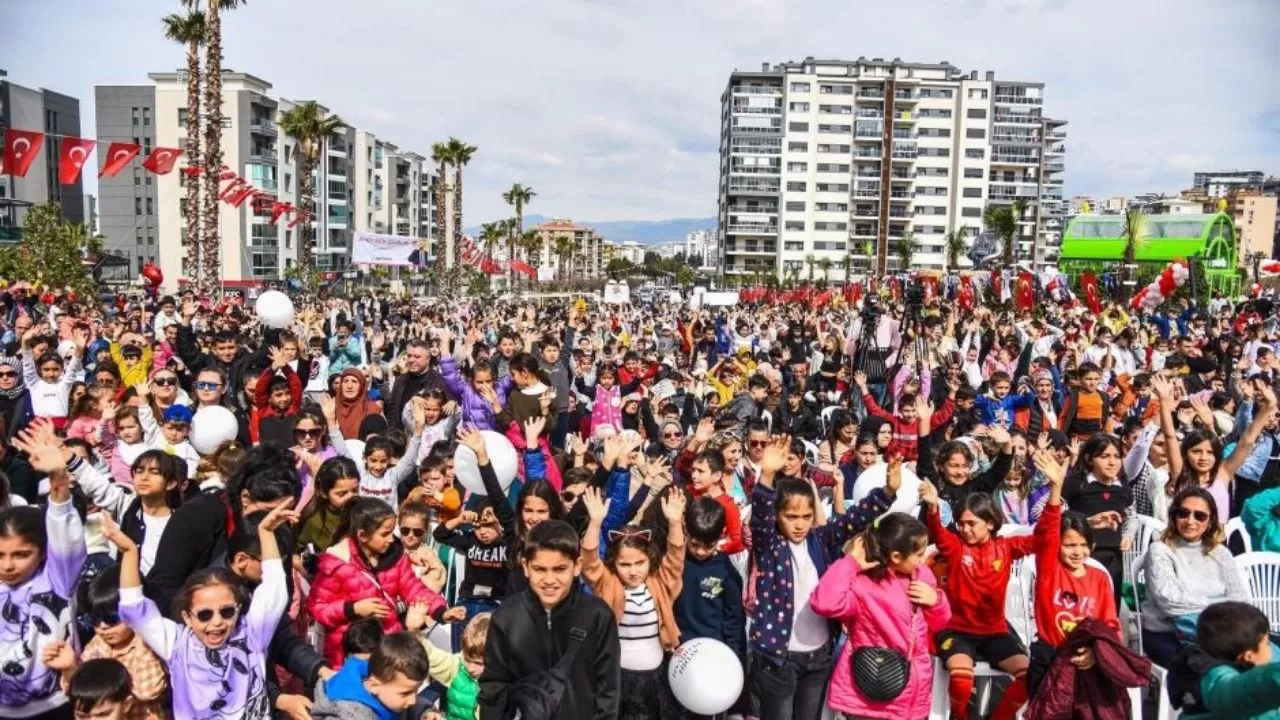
column 118, row 155
column 278, row 209
column 227, row 174
column 75, row 152
column 237, row 183
column 162, row 159
column 193, row 170
column 1025, row 296
column 238, row 199
column 300, row 216
column 21, row 147
column 964, row 294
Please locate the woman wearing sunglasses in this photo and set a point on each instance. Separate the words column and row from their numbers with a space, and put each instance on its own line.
column 1187, row 570
column 15, row 406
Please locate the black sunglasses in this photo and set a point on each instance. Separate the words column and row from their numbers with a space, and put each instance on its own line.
column 226, row 612
column 570, row 496
column 308, row 432
column 416, row 532
column 1184, row 513
column 108, row 619
column 165, row 381
column 8, row 374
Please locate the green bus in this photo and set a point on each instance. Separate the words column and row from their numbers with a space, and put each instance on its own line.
column 1096, row 243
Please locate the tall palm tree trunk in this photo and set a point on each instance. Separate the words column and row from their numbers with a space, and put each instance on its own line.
column 213, row 144
column 438, row 211
column 457, row 216
column 194, row 211
column 306, row 192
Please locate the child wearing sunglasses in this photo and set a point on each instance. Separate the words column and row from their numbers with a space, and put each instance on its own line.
column 491, row 522
column 428, row 559
column 217, row 657
column 114, row 640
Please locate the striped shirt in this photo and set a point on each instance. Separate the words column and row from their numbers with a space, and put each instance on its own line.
column 638, row 631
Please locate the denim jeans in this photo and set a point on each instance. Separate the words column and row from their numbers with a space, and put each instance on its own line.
column 794, row 690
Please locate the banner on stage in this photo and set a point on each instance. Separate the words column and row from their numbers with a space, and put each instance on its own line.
column 374, row 249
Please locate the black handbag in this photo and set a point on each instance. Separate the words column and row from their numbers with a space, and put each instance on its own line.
column 880, row 674
column 538, row 696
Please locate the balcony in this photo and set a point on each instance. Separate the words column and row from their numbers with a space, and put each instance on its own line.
column 1016, row 119
column 1053, row 167
column 262, row 126
column 1013, row 159
column 898, row 175
column 756, row 90
column 742, row 228
column 751, row 185
column 900, row 194
column 905, row 153
column 861, row 231
column 870, row 113
column 868, row 133
column 263, row 155
column 864, row 193
column 748, row 110
column 755, row 170
column 869, row 153
column 758, row 147
column 870, row 95
column 900, row 95
column 904, row 117
column 753, row 209
column 866, row 211
column 1056, row 135
column 757, row 131
column 1017, row 100
column 748, row 248
column 900, row 214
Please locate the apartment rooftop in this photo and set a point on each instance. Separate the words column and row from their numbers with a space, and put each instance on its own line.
column 563, row 225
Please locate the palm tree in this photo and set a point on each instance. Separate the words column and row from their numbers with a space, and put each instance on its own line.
column 212, row 131
column 1000, row 220
column 491, row 235
column 563, row 250
column 440, row 156
column 825, row 264
column 906, row 247
column 810, row 261
column 1134, row 233
column 189, row 30
column 310, row 128
column 518, row 196
column 530, row 242
column 459, row 154
column 954, row 245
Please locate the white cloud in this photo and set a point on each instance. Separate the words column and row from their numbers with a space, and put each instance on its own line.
column 610, row 108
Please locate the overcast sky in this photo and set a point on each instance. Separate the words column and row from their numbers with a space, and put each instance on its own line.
column 609, row 109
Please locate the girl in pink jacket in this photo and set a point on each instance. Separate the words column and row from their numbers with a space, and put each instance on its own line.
column 885, row 597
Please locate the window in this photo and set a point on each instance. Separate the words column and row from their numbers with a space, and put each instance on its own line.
column 793, row 245
column 137, row 180
column 971, row 212
column 835, row 89
column 975, row 153
column 836, row 109
column 935, row 113
column 795, row 207
column 935, row 152
column 942, row 93
column 150, row 209
column 800, row 87
column 798, row 127
column 979, row 94
column 288, row 182
column 975, row 133
column 133, row 112
column 182, row 117
column 932, row 172
column 977, row 113
column 794, row 225
column 935, row 132
column 833, row 167
column 798, row 107
column 972, row 172
column 842, row 129
column 798, row 147
column 831, row 226
column 828, row 245
column 831, row 207
column 832, row 187
column 137, row 206
column 833, row 148
column 797, row 187
column 797, row 167
column 146, row 116
column 973, row 192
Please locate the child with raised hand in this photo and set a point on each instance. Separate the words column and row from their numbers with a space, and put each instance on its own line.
column 114, row 640
column 791, row 642
column 366, row 574
column 640, row 583
column 981, row 564
column 49, row 379
column 45, row 552
column 377, row 478
column 491, row 522
column 217, row 658
column 887, row 599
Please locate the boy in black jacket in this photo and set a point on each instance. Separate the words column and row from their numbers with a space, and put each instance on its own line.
column 711, row 604
column 531, row 631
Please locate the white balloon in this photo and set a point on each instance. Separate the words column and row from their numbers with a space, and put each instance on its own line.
column 274, row 309
column 908, row 499
column 705, row 676
column 211, row 427
column 502, row 457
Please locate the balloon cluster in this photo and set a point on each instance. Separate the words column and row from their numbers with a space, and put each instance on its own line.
column 1161, row 289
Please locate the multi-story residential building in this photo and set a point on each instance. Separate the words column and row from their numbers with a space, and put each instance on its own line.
column 39, row 110
column 354, row 182
column 1220, row 183
column 700, row 248
column 575, row 251
column 840, row 160
column 1255, row 217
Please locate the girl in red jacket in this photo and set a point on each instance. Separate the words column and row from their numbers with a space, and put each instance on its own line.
column 367, row 575
column 980, row 564
column 1068, row 589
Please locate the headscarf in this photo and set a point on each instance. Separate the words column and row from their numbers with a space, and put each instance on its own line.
column 352, row 412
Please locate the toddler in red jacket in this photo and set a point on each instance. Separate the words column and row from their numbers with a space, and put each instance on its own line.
column 368, row 575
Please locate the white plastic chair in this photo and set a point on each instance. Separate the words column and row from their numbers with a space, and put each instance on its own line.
column 810, row 452
column 1149, row 528
column 825, row 418
column 1261, row 571
column 1236, row 525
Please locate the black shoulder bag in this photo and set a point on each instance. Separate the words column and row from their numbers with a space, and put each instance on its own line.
column 538, row 696
column 879, row 673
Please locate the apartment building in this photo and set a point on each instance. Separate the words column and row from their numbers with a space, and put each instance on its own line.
column 576, row 252
column 361, row 183
column 839, row 160
column 40, row 110
column 1255, row 218
column 1219, row 183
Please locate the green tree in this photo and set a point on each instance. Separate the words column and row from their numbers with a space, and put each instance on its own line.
column 905, row 247
column 954, row 245
column 1136, row 225
column 311, row 129
column 810, row 260
column 1001, row 221
column 563, row 248
column 825, row 265
column 189, row 30
column 517, row 197
column 52, row 252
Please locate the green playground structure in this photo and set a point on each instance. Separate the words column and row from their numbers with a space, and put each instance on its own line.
column 1096, row 243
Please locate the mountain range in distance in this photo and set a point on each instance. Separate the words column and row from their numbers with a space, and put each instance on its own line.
column 645, row 232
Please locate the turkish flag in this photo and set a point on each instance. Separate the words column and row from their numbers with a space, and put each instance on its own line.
column 193, row 170
column 1024, row 295
column 75, row 152
column 930, row 287
column 238, row 199
column 118, row 155
column 21, row 148
column 161, row 160
column 964, row 296
column 298, row 217
column 237, row 184
column 1089, row 284
column 278, row 209
column 227, row 174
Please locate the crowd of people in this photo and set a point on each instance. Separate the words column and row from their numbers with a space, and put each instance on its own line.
column 842, row 496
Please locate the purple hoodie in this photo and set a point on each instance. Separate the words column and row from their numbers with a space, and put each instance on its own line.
column 215, row 684
column 473, row 408
column 36, row 614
